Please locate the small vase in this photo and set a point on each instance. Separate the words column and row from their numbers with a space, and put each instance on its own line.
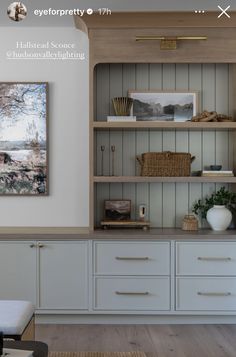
column 219, row 218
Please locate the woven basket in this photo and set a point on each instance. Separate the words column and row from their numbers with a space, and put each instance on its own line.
column 165, row 164
column 190, row 223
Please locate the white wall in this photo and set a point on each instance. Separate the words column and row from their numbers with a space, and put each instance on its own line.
column 67, row 203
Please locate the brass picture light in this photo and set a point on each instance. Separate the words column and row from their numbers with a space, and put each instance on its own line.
column 170, row 42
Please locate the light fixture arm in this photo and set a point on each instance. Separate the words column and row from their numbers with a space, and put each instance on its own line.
column 170, row 42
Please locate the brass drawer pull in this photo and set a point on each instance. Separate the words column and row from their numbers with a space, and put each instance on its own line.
column 213, row 294
column 132, row 258
column 223, row 259
column 132, row 293
column 40, row 245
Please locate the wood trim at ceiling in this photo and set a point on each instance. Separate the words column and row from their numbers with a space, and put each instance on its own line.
column 129, row 20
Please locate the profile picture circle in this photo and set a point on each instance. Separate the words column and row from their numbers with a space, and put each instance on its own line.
column 17, row 11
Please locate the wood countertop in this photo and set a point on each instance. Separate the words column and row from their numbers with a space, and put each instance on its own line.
column 127, row 234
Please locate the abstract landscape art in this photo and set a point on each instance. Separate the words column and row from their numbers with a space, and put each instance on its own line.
column 23, row 139
column 117, row 210
column 164, row 106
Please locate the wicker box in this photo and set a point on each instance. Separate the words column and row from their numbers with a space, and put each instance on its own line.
column 165, row 163
column 189, row 223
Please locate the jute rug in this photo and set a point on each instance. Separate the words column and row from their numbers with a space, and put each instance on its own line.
column 97, row 354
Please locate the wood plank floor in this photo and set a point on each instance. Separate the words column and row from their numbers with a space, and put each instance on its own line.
column 154, row 340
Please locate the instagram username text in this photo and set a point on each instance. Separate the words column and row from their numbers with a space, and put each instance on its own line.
column 57, row 12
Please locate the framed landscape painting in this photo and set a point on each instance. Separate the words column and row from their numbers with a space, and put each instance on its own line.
column 117, row 210
column 23, row 139
column 163, row 105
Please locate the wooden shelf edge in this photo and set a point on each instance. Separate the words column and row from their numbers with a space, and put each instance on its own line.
column 147, row 179
column 164, row 125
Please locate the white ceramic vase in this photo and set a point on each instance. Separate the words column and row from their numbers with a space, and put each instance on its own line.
column 219, row 218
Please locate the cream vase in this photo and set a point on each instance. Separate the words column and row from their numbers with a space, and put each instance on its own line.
column 219, row 218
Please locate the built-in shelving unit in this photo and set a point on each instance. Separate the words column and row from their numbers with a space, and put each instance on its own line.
column 122, row 64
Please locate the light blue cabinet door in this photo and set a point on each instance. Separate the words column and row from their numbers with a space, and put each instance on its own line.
column 18, row 271
column 63, row 275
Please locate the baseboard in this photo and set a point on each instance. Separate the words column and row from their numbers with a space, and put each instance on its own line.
column 130, row 320
column 44, row 230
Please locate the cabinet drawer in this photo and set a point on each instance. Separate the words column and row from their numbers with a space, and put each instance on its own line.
column 206, row 258
column 132, row 258
column 206, row 294
column 132, row 293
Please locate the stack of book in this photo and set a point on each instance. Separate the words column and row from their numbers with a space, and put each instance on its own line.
column 210, row 173
column 121, row 118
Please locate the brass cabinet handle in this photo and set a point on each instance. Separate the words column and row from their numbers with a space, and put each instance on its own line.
column 213, row 293
column 132, row 258
column 132, row 293
column 40, row 245
column 32, row 245
column 223, row 259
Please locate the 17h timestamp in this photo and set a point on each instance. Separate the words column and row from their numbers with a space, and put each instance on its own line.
column 104, row 11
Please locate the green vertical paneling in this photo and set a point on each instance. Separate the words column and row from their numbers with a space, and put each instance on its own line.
column 169, row 74
column 142, row 137
column 209, row 137
column 116, row 83
column 103, row 165
column 209, row 86
column 209, row 157
column 116, row 156
column 195, row 83
column 222, row 88
column 181, row 145
column 195, row 193
column 182, row 76
column 195, row 137
column 167, row 202
column 142, row 189
column 129, row 147
column 102, row 138
column 103, row 92
column 156, row 76
column 222, row 107
column 222, row 149
column 102, row 193
column 156, row 189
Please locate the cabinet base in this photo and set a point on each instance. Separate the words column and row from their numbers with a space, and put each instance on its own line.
column 134, row 319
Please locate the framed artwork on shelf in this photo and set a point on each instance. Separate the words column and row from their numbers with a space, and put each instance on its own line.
column 23, row 138
column 178, row 106
column 117, row 210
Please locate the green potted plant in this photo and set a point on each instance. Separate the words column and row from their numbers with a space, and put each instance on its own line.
column 217, row 208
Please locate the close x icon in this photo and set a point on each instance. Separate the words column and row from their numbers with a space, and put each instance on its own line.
column 224, row 11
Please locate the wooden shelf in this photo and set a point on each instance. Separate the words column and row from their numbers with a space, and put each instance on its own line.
column 103, row 125
column 140, row 179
